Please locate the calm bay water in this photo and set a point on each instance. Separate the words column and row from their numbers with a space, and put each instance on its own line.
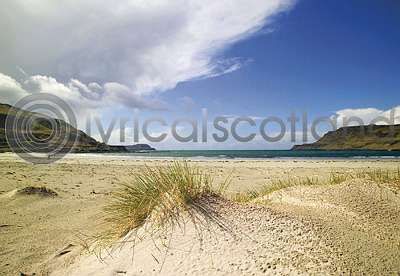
column 261, row 154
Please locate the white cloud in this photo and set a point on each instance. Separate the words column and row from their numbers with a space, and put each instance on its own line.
column 148, row 46
column 76, row 93
column 368, row 115
column 10, row 90
column 85, row 100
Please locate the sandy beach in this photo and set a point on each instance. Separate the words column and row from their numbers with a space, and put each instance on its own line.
column 351, row 227
column 199, row 137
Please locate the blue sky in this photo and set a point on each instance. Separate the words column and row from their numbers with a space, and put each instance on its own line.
column 250, row 58
column 321, row 56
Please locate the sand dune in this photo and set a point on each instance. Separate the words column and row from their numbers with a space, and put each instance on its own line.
column 351, row 227
column 257, row 241
column 347, row 228
column 359, row 218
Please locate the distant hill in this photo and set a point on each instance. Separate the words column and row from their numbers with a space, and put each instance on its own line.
column 139, row 147
column 84, row 143
column 374, row 137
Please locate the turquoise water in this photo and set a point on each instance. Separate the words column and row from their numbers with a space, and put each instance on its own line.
column 263, row 154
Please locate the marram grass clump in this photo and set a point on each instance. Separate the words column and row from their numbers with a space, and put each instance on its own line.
column 381, row 176
column 160, row 196
column 275, row 185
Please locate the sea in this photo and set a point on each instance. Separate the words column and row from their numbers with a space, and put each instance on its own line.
column 259, row 154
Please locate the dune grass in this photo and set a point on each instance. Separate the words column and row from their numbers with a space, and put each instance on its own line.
column 166, row 196
column 375, row 175
column 381, row 176
column 390, row 178
column 161, row 196
column 275, row 185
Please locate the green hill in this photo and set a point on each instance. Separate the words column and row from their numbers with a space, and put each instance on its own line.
column 42, row 129
column 373, row 137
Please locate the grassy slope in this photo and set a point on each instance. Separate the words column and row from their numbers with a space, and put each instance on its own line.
column 84, row 142
column 350, row 138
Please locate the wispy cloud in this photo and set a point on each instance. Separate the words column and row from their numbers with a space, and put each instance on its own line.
column 146, row 46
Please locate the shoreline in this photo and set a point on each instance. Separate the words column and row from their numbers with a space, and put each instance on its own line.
column 131, row 157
